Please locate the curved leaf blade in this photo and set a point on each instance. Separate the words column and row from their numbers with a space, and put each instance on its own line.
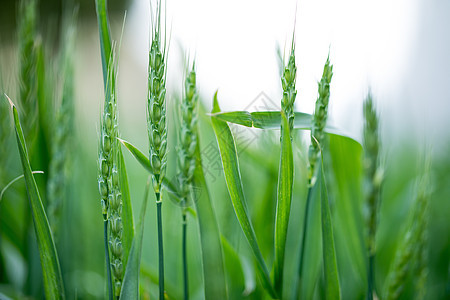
column 230, row 164
column 145, row 162
column 53, row 283
column 127, row 210
column 284, row 197
column 272, row 120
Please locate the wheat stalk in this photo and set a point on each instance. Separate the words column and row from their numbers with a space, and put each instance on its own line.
column 186, row 156
column 373, row 179
column 109, row 178
column 157, row 128
column 319, row 120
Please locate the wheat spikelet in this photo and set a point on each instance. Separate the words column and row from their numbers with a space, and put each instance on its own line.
column 319, row 119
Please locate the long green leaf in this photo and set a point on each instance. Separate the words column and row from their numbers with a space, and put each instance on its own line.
column 53, row 283
column 285, row 182
column 212, row 252
column 230, row 164
column 105, row 37
column 130, row 287
column 127, row 210
column 332, row 287
column 272, row 120
column 144, row 161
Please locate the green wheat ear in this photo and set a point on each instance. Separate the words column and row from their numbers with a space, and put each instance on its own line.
column 60, row 165
column 319, row 119
column 373, row 177
column 156, row 110
column 288, row 79
column 186, row 156
column 188, row 134
column 28, row 58
column 111, row 197
column 413, row 251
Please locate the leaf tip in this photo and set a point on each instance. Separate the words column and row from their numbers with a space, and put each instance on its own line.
column 216, row 107
column 10, row 101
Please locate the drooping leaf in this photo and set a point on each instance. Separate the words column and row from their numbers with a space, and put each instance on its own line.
column 211, row 246
column 130, row 287
column 284, row 196
column 127, row 211
column 230, row 164
column 272, row 120
column 53, row 283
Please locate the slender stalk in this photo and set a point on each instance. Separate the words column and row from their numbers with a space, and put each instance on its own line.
column 373, row 179
column 186, row 157
column 160, row 246
column 184, row 254
column 157, row 127
column 319, row 121
column 370, row 278
column 305, row 222
column 108, row 265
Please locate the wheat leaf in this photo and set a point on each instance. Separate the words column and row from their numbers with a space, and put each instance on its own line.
column 53, row 283
column 230, row 164
column 284, row 196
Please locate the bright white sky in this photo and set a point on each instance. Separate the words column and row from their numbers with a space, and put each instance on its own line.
column 235, row 42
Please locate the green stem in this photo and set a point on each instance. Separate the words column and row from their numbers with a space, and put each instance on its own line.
column 302, row 247
column 108, row 263
column 184, row 253
column 160, row 247
column 370, row 278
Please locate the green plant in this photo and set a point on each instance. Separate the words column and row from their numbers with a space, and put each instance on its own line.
column 53, row 283
column 60, row 164
column 157, row 128
column 319, row 121
column 186, row 158
column 373, row 179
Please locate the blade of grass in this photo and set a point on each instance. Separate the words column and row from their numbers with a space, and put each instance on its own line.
column 53, row 283
column 310, row 260
column 130, row 289
column 230, row 164
column 332, row 287
column 127, row 211
column 145, row 162
column 272, row 120
column 105, row 37
column 15, row 180
column 285, row 182
column 211, row 246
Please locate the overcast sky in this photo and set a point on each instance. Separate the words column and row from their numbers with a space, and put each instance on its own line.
column 398, row 48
